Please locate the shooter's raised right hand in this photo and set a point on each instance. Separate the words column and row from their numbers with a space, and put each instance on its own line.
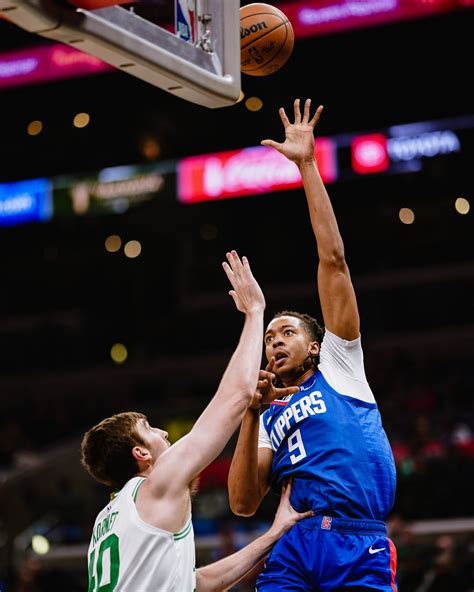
column 247, row 294
column 299, row 140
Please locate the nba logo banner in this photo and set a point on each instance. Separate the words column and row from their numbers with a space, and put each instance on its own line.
column 185, row 19
column 326, row 523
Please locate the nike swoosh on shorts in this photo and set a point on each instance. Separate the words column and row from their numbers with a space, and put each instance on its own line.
column 372, row 551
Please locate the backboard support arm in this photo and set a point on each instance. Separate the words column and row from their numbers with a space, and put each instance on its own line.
column 207, row 73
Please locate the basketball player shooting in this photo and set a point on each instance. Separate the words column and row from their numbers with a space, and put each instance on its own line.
column 143, row 539
column 328, row 437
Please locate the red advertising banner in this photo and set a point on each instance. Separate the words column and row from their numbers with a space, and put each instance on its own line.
column 319, row 17
column 369, row 154
column 249, row 171
column 51, row 62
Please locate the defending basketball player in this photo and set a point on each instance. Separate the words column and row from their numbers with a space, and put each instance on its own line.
column 143, row 539
column 329, row 436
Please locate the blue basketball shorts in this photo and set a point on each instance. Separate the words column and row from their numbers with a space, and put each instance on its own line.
column 324, row 554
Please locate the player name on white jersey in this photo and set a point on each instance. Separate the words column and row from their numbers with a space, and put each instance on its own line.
column 103, row 527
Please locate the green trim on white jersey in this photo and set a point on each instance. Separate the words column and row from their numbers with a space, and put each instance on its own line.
column 137, row 487
column 184, row 533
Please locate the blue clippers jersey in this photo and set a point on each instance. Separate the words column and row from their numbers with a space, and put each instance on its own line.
column 336, row 450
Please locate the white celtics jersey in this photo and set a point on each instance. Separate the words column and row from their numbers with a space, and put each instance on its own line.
column 128, row 555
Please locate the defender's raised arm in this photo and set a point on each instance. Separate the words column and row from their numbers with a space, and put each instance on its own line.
column 188, row 457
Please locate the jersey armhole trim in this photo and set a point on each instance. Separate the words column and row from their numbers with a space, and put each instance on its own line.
column 183, row 533
column 136, row 488
column 351, row 398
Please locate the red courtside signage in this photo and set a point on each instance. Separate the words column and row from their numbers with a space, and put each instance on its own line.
column 369, row 154
column 249, row 171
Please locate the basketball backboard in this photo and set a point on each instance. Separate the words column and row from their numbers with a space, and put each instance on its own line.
column 206, row 71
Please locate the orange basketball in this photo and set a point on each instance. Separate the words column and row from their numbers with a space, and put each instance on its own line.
column 266, row 39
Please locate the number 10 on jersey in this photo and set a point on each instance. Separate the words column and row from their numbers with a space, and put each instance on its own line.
column 108, row 560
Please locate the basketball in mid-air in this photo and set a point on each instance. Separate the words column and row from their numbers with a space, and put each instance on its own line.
column 266, row 39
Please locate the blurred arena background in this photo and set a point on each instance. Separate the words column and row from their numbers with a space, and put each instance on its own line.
column 113, row 298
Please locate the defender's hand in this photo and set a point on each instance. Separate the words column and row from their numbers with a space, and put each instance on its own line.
column 247, row 295
column 299, row 136
column 286, row 516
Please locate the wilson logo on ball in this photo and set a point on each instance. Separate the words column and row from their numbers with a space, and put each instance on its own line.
column 253, row 29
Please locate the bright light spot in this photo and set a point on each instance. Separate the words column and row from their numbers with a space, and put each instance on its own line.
column 113, row 243
column 132, row 249
column 254, row 104
column 118, row 353
column 462, row 205
column 369, row 154
column 40, row 544
column 35, row 127
column 151, row 149
column 406, row 216
column 81, row 120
